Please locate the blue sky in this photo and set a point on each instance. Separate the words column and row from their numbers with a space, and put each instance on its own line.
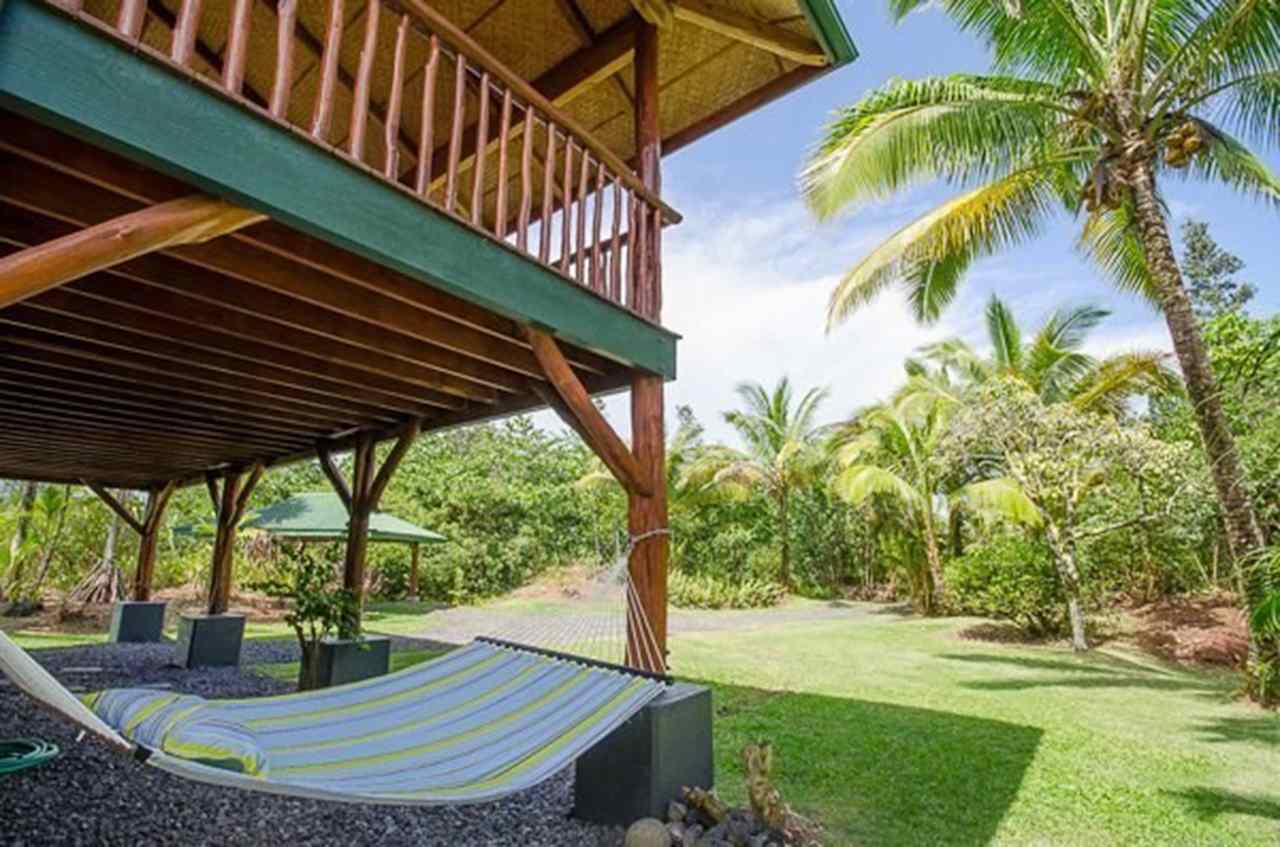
column 748, row 273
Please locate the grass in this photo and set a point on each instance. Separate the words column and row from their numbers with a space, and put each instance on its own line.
column 894, row 731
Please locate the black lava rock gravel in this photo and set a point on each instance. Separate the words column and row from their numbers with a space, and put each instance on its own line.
column 91, row 795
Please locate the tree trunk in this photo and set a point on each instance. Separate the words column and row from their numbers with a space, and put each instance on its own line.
column 934, row 557
column 1064, row 561
column 26, row 503
column 784, row 528
column 309, row 667
column 1244, row 534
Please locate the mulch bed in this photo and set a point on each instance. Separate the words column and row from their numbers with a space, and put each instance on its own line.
column 91, row 795
column 1205, row 630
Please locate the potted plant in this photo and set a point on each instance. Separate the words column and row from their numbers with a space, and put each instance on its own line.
column 326, row 618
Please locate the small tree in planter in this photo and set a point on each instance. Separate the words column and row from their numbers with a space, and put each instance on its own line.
column 321, row 608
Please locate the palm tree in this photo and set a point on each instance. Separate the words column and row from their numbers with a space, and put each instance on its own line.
column 1051, row 363
column 1091, row 103
column 782, row 451
column 889, row 450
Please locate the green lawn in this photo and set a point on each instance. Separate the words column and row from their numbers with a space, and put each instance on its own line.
column 895, row 731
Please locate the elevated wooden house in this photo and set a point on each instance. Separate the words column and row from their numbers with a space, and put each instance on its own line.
column 238, row 233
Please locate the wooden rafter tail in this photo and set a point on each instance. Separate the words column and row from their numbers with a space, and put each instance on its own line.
column 593, row 427
column 749, row 30
column 183, row 221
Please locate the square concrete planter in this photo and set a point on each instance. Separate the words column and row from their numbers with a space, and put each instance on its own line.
column 138, row 621
column 351, row 660
column 208, row 641
column 638, row 769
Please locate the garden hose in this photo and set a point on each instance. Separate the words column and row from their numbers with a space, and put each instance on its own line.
column 18, row 754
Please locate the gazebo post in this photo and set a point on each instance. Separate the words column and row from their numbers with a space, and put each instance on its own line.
column 214, row 638
column 413, row 571
column 139, row 619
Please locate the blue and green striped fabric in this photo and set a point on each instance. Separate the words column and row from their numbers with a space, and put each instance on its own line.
column 477, row 723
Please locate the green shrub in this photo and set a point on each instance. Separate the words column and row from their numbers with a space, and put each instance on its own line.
column 1010, row 579
column 709, row 592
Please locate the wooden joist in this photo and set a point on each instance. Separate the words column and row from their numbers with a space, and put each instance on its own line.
column 45, row 266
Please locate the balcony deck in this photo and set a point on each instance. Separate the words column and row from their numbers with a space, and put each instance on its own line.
column 362, row 303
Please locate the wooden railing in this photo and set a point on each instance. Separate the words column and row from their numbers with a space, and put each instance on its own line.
column 484, row 146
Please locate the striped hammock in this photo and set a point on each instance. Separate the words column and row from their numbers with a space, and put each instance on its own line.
column 480, row 722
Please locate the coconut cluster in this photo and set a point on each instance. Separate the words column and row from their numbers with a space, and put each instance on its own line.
column 1183, row 143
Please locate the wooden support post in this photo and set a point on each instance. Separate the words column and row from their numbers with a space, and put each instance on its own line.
column 647, row 515
column 361, row 499
column 147, row 527
column 157, row 502
column 413, row 571
column 230, row 498
column 189, row 219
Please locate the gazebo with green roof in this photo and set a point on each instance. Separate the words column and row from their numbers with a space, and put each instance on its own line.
column 321, row 516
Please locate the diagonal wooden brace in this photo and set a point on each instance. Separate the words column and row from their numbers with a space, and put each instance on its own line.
column 186, row 220
column 584, row 418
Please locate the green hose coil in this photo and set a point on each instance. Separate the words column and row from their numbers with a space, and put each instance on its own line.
column 21, row 753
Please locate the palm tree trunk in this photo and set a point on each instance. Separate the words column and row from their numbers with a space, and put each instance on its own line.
column 934, row 557
column 784, row 521
column 1243, row 532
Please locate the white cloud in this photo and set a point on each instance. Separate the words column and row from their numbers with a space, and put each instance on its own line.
column 747, row 288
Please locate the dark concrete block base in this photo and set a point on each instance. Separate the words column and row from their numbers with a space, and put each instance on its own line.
column 353, row 660
column 208, row 640
column 642, row 766
column 138, row 621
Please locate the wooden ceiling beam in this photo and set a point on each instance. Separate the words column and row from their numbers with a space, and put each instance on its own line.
column 141, row 338
column 764, row 35
column 260, row 384
column 45, row 266
column 54, row 365
column 144, row 419
column 113, row 392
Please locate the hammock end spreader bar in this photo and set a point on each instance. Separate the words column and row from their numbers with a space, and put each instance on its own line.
column 581, row 660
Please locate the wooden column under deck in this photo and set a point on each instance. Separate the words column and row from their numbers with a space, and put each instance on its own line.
column 230, row 494
column 361, row 498
column 647, row 515
column 148, row 529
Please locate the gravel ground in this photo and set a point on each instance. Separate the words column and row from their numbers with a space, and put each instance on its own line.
column 91, row 795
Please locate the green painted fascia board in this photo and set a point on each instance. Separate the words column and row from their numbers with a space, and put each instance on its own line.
column 828, row 24
column 61, row 72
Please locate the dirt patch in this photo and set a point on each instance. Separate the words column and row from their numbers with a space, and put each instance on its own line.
column 1206, row 630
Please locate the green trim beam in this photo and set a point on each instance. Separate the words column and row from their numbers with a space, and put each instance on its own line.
column 63, row 73
column 827, row 24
